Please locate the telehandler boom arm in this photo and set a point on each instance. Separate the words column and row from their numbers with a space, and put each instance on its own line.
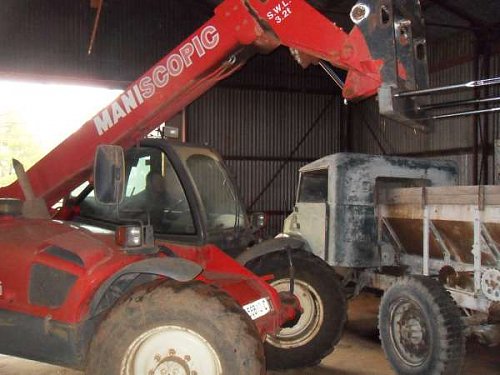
column 238, row 30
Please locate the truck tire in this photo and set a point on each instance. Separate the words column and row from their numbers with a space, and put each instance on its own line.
column 176, row 328
column 321, row 324
column 421, row 329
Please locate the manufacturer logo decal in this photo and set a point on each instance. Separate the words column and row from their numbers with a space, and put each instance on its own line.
column 158, row 77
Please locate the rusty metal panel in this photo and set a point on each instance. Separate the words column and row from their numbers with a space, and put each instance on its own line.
column 410, row 233
column 452, row 211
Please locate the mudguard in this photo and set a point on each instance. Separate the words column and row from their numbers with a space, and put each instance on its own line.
column 174, row 268
column 268, row 247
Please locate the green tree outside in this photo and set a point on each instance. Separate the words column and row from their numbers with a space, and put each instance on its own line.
column 15, row 142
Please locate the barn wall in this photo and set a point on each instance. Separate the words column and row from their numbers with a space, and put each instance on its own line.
column 256, row 132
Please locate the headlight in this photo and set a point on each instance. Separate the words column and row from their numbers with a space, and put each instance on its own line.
column 129, row 236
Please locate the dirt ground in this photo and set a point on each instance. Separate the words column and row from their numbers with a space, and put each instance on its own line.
column 358, row 352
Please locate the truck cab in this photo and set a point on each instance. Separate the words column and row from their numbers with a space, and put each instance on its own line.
column 335, row 209
column 185, row 191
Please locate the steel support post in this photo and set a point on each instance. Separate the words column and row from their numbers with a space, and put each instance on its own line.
column 476, row 249
column 426, row 231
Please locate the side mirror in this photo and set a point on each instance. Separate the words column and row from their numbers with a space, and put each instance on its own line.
column 109, row 174
column 258, row 220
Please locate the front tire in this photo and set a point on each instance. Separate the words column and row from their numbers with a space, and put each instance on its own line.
column 421, row 328
column 182, row 328
column 321, row 324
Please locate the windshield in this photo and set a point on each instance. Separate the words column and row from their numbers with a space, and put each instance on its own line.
column 222, row 205
column 153, row 194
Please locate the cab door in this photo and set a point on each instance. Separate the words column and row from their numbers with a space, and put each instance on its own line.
column 312, row 211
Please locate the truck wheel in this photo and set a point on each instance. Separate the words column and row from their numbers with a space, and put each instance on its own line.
column 176, row 328
column 320, row 326
column 421, row 328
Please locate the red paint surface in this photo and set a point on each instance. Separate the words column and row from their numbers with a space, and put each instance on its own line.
column 304, row 28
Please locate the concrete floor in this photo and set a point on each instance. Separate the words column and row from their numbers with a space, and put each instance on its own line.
column 358, row 352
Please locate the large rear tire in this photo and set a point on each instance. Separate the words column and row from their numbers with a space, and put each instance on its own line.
column 321, row 324
column 421, row 328
column 176, row 328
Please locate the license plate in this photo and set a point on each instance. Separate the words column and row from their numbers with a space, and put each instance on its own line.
column 258, row 308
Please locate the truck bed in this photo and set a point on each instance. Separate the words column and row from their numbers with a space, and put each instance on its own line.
column 452, row 212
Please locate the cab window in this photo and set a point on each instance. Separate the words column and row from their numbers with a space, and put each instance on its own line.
column 222, row 206
column 314, row 186
column 153, row 194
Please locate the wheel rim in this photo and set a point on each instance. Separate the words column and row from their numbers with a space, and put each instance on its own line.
column 171, row 350
column 310, row 321
column 409, row 332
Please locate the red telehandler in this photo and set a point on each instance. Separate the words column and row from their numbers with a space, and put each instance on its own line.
column 131, row 281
